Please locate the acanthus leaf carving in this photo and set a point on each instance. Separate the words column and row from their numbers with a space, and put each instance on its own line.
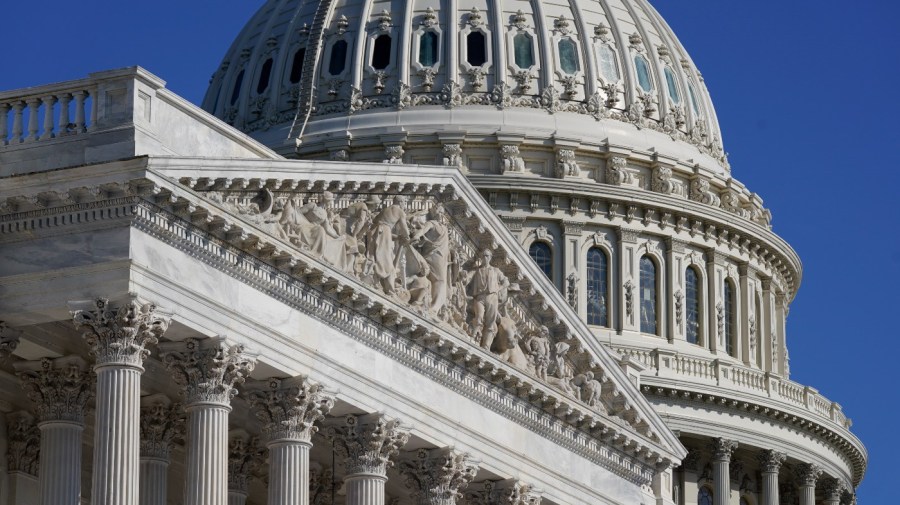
column 162, row 425
column 566, row 164
column 59, row 388
column 503, row 492
column 368, row 443
column 9, row 340
column 437, row 476
column 120, row 335
column 289, row 408
column 245, row 457
column 209, row 369
column 24, row 443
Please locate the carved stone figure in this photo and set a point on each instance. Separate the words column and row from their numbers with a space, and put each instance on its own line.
column 433, row 241
column 539, row 349
column 488, row 286
column 562, row 374
column 389, row 231
column 590, row 389
column 508, row 340
column 312, row 226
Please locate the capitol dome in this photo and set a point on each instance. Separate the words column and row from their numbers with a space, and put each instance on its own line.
column 347, row 78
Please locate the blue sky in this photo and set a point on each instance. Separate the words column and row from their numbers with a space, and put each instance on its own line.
column 805, row 93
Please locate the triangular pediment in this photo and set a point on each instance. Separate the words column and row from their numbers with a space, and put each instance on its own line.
column 407, row 244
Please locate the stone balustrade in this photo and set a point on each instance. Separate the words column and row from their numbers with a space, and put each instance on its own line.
column 46, row 112
column 736, row 377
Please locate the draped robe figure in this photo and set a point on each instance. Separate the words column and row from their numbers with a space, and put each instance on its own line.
column 389, row 231
column 435, row 248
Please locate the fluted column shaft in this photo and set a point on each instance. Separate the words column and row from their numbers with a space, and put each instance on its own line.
column 770, row 487
column 207, row 455
column 722, row 451
column 289, row 472
column 60, row 467
column 365, row 489
column 154, row 487
column 807, row 475
column 236, row 498
column 117, row 436
column 808, row 494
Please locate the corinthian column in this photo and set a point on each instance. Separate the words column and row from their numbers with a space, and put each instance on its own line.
column 23, row 458
column 244, row 457
column 505, row 492
column 289, row 409
column 161, row 425
column 807, row 475
column 367, row 443
column 437, row 476
column 770, row 462
column 208, row 370
column 118, row 337
column 60, row 389
column 833, row 489
column 722, row 450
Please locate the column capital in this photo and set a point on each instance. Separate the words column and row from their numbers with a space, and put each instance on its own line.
column 692, row 460
column 833, row 489
column 722, row 449
column 437, row 476
column 9, row 340
column 162, row 424
column 847, row 497
column 289, row 408
column 119, row 333
column 807, row 473
column 770, row 460
column 503, row 492
column 60, row 388
column 23, row 452
column 207, row 369
column 368, row 442
column 245, row 456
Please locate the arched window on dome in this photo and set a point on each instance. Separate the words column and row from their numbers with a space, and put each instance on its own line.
column 541, row 253
column 236, row 90
column 704, row 496
column 265, row 74
column 692, row 304
column 609, row 67
column 597, row 287
column 728, row 324
column 297, row 66
column 381, row 52
column 672, row 86
column 642, row 67
column 337, row 62
column 649, row 288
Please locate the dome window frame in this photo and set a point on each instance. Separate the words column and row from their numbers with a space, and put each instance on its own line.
column 671, row 80
column 289, row 65
column 519, row 26
column 475, row 25
column 571, row 38
column 382, row 27
column 338, row 34
column 599, row 46
column 429, row 24
column 637, row 74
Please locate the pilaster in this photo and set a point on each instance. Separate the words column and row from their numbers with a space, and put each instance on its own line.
column 208, row 370
column 60, row 390
column 437, row 476
column 715, row 278
column 118, row 337
column 289, row 409
column 766, row 328
column 629, row 282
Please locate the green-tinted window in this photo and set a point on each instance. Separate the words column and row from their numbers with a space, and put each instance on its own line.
column 643, row 73
column 428, row 49
column 523, row 50
column 673, row 88
column 568, row 56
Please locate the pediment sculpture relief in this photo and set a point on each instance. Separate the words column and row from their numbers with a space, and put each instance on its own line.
column 413, row 250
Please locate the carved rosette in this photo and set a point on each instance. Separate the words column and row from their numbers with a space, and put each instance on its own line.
column 770, row 460
column 245, row 456
column 807, row 474
column 120, row 335
column 59, row 388
column 437, row 476
column 208, row 369
column 24, row 443
column 368, row 442
column 504, row 492
column 289, row 408
column 722, row 449
column 9, row 340
column 162, row 424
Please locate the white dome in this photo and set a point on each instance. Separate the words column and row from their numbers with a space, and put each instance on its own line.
column 593, row 77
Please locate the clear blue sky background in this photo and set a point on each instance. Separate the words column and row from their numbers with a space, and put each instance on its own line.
column 806, row 94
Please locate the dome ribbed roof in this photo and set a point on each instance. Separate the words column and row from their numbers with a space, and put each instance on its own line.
column 605, row 72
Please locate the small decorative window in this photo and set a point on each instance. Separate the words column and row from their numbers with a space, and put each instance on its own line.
column 643, row 73
column 338, row 60
column 264, row 75
column 381, row 52
column 541, row 253
column 692, row 305
column 297, row 66
column 428, row 49
column 568, row 56
column 609, row 70
column 728, row 326
column 674, row 95
column 648, row 296
column 476, row 49
column 523, row 48
column 693, row 95
column 597, row 287
column 236, row 91
column 704, row 497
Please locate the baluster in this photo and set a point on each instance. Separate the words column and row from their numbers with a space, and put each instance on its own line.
column 63, row 128
column 17, row 123
column 33, row 104
column 49, row 102
column 79, row 111
column 4, row 117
